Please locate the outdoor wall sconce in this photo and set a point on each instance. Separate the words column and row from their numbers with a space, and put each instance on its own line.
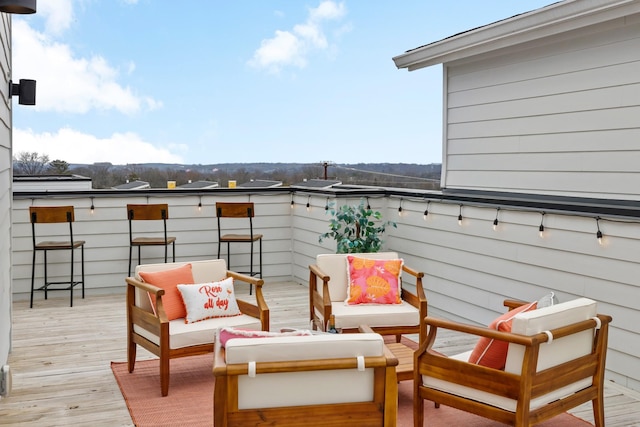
column 22, row 7
column 25, row 90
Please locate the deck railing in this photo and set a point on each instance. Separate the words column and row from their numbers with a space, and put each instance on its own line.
column 475, row 248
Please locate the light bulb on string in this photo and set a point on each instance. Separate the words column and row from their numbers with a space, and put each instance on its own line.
column 495, row 221
column 400, row 208
column 426, row 211
column 460, row 216
column 368, row 204
column 599, row 234
column 92, row 208
column 200, row 204
column 308, row 203
column 292, row 202
column 541, row 228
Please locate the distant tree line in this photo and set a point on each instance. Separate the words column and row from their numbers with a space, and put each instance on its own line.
column 107, row 175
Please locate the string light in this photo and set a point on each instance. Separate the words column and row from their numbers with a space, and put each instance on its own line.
column 460, row 216
column 92, row 208
column 598, row 233
column 200, row 204
column 400, row 208
column 426, row 211
column 495, row 221
column 309, row 203
column 368, row 204
column 292, row 202
column 541, row 228
column 326, row 206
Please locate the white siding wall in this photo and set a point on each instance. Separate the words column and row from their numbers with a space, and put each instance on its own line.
column 106, row 233
column 5, row 189
column 548, row 118
column 470, row 269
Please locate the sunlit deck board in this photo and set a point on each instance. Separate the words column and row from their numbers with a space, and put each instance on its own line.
column 61, row 360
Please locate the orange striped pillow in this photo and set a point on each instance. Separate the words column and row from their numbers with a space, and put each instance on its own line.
column 493, row 353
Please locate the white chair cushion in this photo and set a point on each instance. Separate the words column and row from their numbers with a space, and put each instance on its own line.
column 203, row 332
column 554, row 353
column 335, row 265
column 375, row 315
column 304, row 388
column 183, row 334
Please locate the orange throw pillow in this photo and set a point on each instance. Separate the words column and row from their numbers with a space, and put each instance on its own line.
column 493, row 353
column 169, row 281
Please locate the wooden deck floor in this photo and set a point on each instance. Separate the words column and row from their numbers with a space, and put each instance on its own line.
column 61, row 360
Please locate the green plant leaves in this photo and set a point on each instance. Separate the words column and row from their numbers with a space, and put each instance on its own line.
column 355, row 230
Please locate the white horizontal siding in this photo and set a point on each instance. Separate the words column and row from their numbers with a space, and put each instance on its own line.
column 555, row 118
column 470, row 269
column 106, row 233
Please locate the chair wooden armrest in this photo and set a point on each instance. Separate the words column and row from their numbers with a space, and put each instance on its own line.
column 534, row 385
column 231, row 390
column 320, row 298
column 258, row 310
column 514, row 303
column 318, row 301
column 149, row 326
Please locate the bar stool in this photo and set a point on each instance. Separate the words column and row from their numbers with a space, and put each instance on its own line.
column 149, row 212
column 239, row 211
column 51, row 215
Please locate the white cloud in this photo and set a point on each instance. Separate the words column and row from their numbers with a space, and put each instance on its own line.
column 292, row 47
column 76, row 147
column 58, row 15
column 68, row 83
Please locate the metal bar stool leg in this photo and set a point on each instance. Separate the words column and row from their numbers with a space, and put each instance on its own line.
column 33, row 276
column 45, row 275
column 71, row 281
column 130, row 256
column 82, row 268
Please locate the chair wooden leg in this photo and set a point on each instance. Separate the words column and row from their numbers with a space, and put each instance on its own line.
column 598, row 410
column 418, row 410
column 131, row 355
column 164, row 375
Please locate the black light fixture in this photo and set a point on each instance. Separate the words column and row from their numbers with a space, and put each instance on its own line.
column 495, row 221
column 460, row 216
column 25, row 91
column 541, row 228
column 598, row 233
column 22, row 7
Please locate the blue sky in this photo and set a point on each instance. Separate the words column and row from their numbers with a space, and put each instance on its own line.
column 139, row 81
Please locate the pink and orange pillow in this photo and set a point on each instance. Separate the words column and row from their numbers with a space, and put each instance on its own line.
column 374, row 281
column 228, row 333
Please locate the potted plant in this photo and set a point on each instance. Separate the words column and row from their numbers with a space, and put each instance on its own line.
column 356, row 229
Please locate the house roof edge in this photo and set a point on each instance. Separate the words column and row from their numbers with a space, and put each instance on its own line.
column 549, row 20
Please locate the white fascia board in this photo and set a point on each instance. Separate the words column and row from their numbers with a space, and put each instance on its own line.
column 544, row 22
